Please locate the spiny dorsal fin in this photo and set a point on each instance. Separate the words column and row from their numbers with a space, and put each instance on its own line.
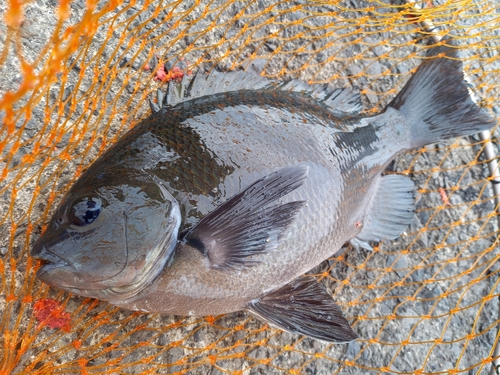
column 246, row 224
column 342, row 102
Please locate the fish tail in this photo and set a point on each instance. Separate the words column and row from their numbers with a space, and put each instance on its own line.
column 436, row 102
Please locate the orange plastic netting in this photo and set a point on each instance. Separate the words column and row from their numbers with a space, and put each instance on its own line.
column 75, row 75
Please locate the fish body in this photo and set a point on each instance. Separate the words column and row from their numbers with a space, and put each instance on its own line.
column 340, row 182
column 221, row 201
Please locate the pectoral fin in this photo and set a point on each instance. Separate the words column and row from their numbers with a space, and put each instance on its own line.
column 304, row 307
column 246, row 224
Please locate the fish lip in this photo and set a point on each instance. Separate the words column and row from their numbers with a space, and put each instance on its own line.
column 47, row 267
column 49, row 259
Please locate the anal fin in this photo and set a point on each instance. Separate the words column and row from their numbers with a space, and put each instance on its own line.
column 304, row 307
column 390, row 211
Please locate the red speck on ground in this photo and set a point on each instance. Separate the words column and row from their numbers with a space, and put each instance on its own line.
column 161, row 74
column 51, row 313
column 164, row 76
column 444, row 197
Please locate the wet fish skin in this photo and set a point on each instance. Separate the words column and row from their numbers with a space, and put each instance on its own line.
column 140, row 207
column 167, row 177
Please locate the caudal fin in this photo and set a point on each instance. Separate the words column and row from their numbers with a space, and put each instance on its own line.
column 436, row 101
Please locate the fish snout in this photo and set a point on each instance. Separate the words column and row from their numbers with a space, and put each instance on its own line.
column 50, row 260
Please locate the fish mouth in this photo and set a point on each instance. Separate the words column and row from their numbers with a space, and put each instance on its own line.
column 47, row 267
column 49, row 260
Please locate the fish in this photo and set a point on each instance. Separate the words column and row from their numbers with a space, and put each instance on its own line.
column 237, row 185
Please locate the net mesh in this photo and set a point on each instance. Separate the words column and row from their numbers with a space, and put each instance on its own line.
column 75, row 75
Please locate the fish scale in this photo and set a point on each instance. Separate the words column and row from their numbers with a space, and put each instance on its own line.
column 221, row 200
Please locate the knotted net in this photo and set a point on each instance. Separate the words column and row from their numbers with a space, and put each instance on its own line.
column 75, row 75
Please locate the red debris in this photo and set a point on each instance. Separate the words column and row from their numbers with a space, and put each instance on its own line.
column 444, row 197
column 51, row 313
column 160, row 74
column 164, row 76
column 166, row 73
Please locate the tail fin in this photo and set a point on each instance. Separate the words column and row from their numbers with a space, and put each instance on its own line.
column 436, row 102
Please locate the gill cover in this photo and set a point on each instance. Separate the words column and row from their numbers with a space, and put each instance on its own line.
column 109, row 242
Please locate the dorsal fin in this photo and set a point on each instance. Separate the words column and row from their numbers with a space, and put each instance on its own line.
column 342, row 102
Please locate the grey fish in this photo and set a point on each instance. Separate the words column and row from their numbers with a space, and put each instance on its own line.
column 236, row 186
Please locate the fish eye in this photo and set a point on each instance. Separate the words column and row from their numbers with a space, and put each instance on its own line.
column 85, row 211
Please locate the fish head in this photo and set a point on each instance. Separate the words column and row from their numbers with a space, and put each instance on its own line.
column 109, row 242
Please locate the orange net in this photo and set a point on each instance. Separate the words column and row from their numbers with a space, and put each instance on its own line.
column 75, row 75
